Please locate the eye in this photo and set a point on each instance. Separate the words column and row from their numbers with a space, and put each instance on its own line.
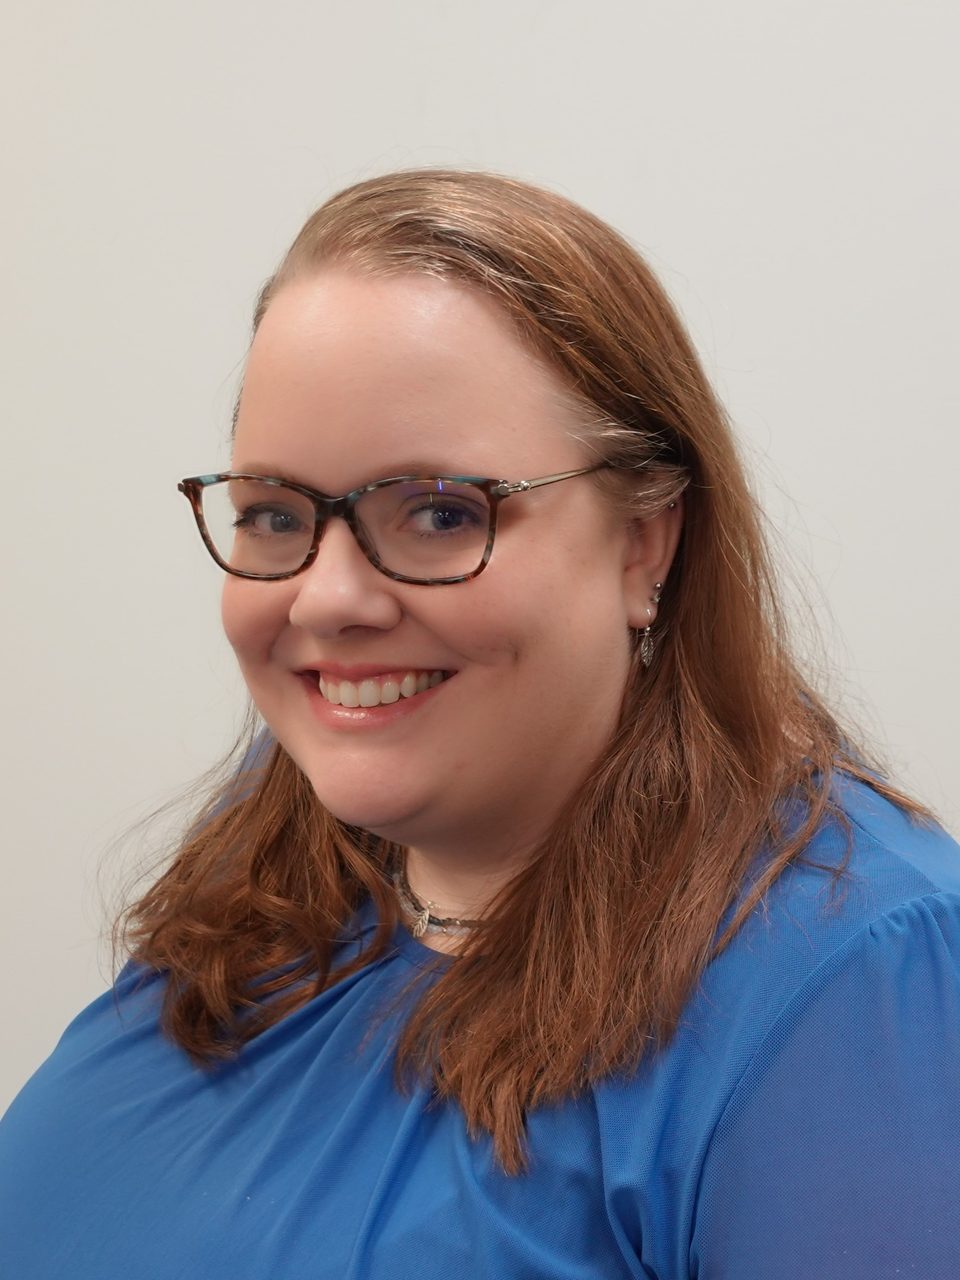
column 266, row 520
column 439, row 515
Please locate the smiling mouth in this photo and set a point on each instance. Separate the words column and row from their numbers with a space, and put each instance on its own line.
column 379, row 690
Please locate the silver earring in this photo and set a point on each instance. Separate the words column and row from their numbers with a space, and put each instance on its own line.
column 646, row 642
column 646, row 638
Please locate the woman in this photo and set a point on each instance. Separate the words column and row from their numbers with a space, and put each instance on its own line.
column 555, row 929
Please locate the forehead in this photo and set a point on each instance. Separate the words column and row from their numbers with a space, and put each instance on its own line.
column 352, row 376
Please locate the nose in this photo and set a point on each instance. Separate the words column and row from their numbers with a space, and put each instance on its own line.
column 342, row 589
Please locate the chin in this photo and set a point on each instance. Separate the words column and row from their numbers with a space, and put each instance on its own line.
column 388, row 816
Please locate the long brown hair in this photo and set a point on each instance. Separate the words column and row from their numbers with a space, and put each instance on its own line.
column 587, row 957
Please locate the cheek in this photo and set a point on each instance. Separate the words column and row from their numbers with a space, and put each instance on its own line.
column 251, row 618
column 492, row 625
column 521, row 654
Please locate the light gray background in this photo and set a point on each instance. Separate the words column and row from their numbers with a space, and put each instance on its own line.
column 790, row 169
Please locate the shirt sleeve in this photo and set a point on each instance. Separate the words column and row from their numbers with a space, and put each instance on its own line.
column 838, row 1154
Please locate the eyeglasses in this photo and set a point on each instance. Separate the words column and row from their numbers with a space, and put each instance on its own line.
column 429, row 530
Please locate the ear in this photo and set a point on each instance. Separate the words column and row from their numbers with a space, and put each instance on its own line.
column 651, row 546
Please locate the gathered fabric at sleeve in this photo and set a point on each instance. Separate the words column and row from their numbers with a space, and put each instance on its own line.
column 837, row 1156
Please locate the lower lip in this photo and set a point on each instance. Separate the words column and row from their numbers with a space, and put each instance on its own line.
column 336, row 717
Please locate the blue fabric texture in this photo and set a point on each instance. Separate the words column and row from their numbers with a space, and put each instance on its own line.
column 804, row 1122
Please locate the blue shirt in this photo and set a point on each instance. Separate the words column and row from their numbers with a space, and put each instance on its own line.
column 804, row 1122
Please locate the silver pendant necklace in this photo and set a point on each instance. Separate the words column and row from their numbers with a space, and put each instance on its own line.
column 420, row 913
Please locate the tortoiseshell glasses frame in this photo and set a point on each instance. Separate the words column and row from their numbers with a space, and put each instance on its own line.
column 344, row 507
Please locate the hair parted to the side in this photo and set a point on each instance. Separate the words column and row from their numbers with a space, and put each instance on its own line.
column 588, row 957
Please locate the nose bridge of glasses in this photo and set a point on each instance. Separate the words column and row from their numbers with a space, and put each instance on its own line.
column 334, row 508
column 345, row 508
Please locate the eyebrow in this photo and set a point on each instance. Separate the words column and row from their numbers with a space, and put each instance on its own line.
column 271, row 473
column 410, row 467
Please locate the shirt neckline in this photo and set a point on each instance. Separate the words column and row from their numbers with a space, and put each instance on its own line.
column 405, row 944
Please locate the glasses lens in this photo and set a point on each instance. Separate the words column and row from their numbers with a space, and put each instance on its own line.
column 426, row 529
column 258, row 527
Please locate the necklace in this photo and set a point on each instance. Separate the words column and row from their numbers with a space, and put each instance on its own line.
column 420, row 914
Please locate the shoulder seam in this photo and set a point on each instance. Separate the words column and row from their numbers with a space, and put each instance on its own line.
column 894, row 852
column 853, row 943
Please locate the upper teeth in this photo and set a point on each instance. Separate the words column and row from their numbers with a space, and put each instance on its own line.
column 378, row 689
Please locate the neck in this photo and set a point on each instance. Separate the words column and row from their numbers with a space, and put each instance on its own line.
column 457, row 886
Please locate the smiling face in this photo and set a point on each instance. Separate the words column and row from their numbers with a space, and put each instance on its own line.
column 492, row 697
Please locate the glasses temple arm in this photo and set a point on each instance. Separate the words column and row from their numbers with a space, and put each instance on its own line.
column 505, row 487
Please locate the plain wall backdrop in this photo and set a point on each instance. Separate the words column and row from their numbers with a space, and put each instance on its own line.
column 789, row 169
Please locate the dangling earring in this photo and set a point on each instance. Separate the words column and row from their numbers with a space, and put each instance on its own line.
column 646, row 639
column 646, row 647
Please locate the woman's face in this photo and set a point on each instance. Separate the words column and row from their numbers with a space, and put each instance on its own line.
column 351, row 379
